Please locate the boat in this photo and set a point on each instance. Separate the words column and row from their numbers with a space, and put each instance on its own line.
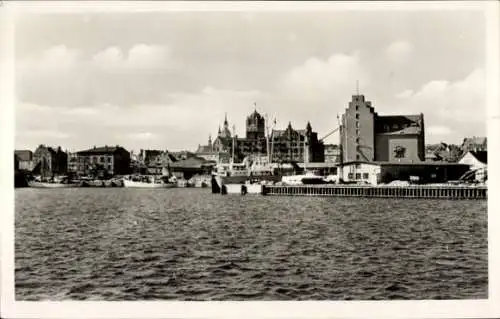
column 309, row 178
column 149, row 182
column 56, row 182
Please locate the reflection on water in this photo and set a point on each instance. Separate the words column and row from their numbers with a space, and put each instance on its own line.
column 187, row 244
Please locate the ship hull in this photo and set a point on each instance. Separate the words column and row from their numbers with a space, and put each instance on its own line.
column 51, row 185
column 134, row 184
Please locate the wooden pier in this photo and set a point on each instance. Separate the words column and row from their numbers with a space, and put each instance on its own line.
column 414, row 191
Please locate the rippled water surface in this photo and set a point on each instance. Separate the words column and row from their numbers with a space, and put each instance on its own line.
column 187, row 244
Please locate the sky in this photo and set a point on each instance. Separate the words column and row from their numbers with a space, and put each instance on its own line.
column 165, row 80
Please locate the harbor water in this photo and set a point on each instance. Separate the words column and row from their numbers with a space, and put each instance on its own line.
column 189, row 244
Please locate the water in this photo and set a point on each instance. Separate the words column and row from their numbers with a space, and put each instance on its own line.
column 188, row 244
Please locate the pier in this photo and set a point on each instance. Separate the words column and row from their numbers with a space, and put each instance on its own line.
column 417, row 191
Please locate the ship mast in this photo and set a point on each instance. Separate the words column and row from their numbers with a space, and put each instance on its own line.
column 234, row 141
column 340, row 172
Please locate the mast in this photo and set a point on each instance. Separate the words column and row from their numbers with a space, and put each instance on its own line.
column 340, row 172
column 305, row 154
column 234, row 141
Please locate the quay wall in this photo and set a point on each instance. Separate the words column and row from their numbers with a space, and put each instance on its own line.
column 423, row 192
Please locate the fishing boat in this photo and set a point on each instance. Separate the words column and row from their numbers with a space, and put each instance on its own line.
column 55, row 182
column 139, row 181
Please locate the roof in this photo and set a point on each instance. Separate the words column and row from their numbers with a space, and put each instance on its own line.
column 101, row 150
column 192, row 162
column 383, row 163
column 405, row 131
column 24, row 155
column 279, row 133
column 318, row 165
column 398, row 118
column 204, row 149
column 481, row 156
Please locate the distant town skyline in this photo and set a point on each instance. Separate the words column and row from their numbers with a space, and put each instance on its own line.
column 164, row 80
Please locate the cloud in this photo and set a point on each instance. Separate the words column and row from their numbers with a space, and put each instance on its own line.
column 404, row 94
column 142, row 136
column 54, row 60
column 439, row 130
column 323, row 77
column 140, row 56
column 460, row 104
column 399, row 51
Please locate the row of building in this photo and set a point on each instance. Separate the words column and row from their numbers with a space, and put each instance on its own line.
column 366, row 138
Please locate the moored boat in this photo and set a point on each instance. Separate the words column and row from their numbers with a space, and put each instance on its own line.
column 51, row 184
column 56, row 182
column 149, row 182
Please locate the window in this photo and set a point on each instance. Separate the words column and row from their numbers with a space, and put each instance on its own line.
column 357, row 140
column 357, row 116
column 350, row 175
column 357, row 107
column 365, row 175
column 357, row 124
column 395, row 126
column 386, row 128
column 358, row 175
column 101, row 159
column 358, row 157
column 109, row 159
column 358, row 166
column 357, row 131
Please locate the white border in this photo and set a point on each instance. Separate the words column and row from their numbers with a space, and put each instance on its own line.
column 313, row 309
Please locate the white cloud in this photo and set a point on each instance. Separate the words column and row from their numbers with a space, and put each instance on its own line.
column 399, row 51
column 324, row 77
column 140, row 56
column 439, row 130
column 56, row 59
column 404, row 94
column 460, row 104
column 142, row 136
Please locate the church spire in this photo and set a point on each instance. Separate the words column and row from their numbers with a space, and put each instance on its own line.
column 225, row 120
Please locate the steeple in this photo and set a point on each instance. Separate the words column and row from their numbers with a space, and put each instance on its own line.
column 308, row 127
column 225, row 120
column 209, row 139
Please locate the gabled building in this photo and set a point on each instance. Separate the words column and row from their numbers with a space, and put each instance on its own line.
column 368, row 136
column 155, row 162
column 475, row 159
column 48, row 161
column 296, row 145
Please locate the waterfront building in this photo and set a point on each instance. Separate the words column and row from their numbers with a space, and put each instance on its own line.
column 367, row 136
column 103, row 161
column 48, row 161
column 375, row 173
column 25, row 160
column 296, row 145
column 192, row 166
column 474, row 143
column 475, row 159
column 154, row 162
column 332, row 153
column 72, row 163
